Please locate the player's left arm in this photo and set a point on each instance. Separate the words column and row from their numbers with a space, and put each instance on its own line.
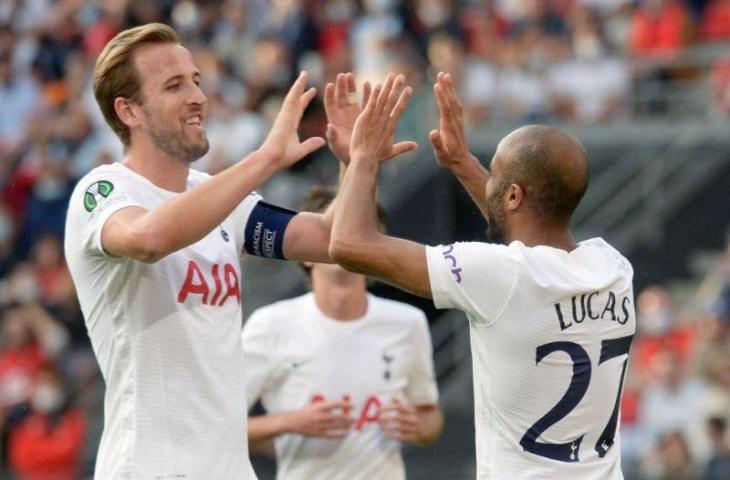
column 356, row 242
column 417, row 424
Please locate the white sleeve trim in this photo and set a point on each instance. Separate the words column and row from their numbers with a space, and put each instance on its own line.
column 436, row 274
column 101, row 221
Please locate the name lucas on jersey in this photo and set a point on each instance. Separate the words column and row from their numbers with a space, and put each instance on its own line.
column 593, row 306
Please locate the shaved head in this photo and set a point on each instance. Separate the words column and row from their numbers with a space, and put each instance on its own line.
column 549, row 164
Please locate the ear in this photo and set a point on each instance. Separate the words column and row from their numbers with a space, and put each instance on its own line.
column 515, row 196
column 127, row 111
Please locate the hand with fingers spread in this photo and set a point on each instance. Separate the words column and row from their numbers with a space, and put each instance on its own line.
column 283, row 143
column 322, row 419
column 372, row 135
column 342, row 108
column 400, row 421
column 449, row 141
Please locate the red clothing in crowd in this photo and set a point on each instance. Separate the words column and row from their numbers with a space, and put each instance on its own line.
column 679, row 341
column 659, row 32
column 38, row 450
column 17, row 369
column 716, row 21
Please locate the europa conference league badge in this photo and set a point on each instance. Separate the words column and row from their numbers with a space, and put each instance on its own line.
column 96, row 192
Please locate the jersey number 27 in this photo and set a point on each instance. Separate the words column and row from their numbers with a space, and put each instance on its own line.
column 569, row 452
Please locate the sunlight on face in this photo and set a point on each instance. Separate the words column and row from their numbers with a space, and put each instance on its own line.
column 174, row 106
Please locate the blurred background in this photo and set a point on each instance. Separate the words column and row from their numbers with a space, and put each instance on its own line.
column 644, row 84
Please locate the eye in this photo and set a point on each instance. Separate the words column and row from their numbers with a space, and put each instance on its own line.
column 172, row 87
column 197, row 81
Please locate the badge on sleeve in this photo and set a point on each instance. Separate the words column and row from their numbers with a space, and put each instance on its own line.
column 96, row 192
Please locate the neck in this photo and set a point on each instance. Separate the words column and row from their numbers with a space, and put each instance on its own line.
column 538, row 232
column 157, row 166
column 342, row 301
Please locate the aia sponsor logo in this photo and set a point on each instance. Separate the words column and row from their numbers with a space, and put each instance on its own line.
column 369, row 413
column 210, row 288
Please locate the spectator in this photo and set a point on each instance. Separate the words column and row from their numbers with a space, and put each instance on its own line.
column 715, row 24
column 658, row 29
column 660, row 329
column 720, row 84
column 674, row 459
column 673, row 403
column 51, row 272
column 30, row 336
column 718, row 468
column 47, row 443
column 19, row 96
column 7, row 241
column 541, row 17
column 588, row 87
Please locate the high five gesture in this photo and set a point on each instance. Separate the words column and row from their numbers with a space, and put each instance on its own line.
column 372, row 135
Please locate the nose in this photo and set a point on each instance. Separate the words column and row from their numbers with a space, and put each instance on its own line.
column 197, row 97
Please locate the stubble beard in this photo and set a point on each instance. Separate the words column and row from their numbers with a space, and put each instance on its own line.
column 496, row 219
column 173, row 142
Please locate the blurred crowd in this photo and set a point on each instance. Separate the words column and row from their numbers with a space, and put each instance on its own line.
column 583, row 61
column 676, row 405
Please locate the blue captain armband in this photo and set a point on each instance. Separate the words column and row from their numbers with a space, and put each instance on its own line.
column 264, row 235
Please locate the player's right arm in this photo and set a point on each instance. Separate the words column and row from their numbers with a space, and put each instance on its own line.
column 450, row 146
column 149, row 235
column 328, row 419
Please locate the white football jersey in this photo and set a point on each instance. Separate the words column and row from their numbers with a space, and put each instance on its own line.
column 166, row 336
column 294, row 355
column 550, row 336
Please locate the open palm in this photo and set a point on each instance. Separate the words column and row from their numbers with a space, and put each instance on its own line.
column 342, row 110
column 283, row 141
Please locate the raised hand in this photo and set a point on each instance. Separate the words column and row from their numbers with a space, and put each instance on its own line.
column 282, row 142
column 449, row 141
column 342, row 110
column 372, row 135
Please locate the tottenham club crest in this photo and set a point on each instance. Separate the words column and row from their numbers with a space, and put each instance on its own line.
column 96, row 192
column 388, row 360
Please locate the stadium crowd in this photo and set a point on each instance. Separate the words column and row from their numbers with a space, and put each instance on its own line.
column 582, row 61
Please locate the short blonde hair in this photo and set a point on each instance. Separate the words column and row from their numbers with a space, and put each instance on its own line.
column 115, row 74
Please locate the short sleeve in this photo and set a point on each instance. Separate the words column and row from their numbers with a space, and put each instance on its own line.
column 422, row 388
column 477, row 278
column 259, row 354
column 240, row 216
column 97, row 198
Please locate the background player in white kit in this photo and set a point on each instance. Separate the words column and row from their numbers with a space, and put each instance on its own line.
column 551, row 320
column 344, row 376
column 153, row 248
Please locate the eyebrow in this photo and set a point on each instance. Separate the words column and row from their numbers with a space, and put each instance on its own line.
column 196, row 74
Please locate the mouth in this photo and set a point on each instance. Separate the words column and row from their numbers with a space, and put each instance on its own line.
column 194, row 121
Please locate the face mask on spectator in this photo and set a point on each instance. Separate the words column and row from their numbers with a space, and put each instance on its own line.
column 340, row 11
column 49, row 189
column 46, row 398
column 23, row 285
column 656, row 323
column 432, row 13
column 588, row 48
